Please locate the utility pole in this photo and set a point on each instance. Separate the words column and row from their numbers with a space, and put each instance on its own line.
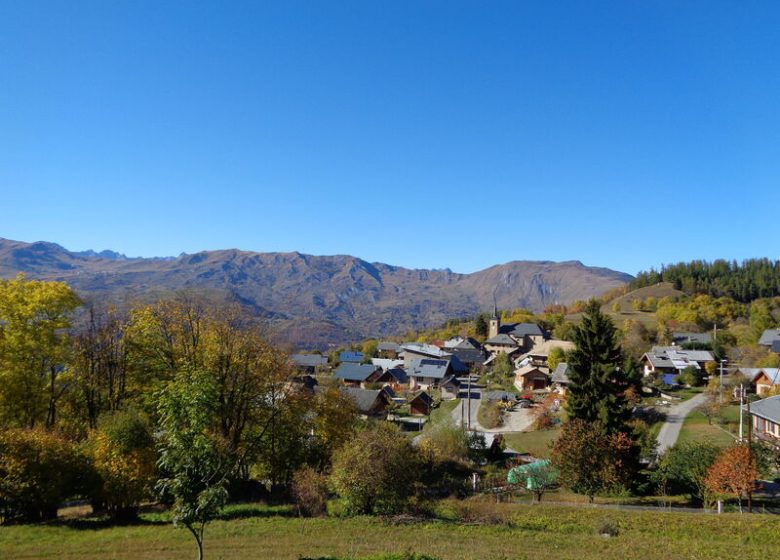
column 741, row 405
column 750, row 447
column 721, row 381
column 469, row 386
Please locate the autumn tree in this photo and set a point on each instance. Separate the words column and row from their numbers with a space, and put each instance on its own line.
column 683, row 469
column 34, row 349
column 733, row 473
column 591, row 461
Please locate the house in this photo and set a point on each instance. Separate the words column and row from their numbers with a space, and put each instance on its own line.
column 670, row 361
column 427, row 373
column 450, row 388
column 351, row 357
column 767, row 380
column 769, row 337
column 412, row 351
column 369, row 402
column 309, row 363
column 560, row 378
column 501, row 344
column 421, row 404
column 765, row 416
column 531, row 378
column 538, row 354
column 388, row 349
column 395, row 378
column 357, row 375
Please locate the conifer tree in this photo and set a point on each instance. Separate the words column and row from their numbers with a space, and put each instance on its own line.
column 596, row 392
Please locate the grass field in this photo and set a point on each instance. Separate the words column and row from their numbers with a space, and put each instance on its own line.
column 537, row 532
column 537, row 443
column 696, row 428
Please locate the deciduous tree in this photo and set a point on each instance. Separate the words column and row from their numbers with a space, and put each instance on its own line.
column 733, row 473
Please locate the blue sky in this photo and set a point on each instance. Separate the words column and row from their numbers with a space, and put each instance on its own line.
column 422, row 134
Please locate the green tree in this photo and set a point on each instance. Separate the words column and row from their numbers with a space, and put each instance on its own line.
column 691, row 376
column 502, row 367
column 555, row 357
column 376, row 471
column 481, row 326
column 683, row 469
column 193, row 460
column 34, row 349
column 596, row 392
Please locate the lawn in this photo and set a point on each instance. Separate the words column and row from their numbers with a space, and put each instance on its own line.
column 696, row 428
column 537, row 442
column 537, row 532
column 442, row 413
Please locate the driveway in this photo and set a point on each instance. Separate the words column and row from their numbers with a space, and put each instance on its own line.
column 517, row 420
column 670, row 431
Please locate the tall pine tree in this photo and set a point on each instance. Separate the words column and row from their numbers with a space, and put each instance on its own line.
column 598, row 379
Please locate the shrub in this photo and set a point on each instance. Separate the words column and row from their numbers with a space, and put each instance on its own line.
column 545, row 420
column 124, row 458
column 376, row 471
column 608, row 528
column 38, row 471
column 310, row 491
column 491, row 415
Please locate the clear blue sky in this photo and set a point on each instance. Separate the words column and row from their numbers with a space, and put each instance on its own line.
column 423, row 134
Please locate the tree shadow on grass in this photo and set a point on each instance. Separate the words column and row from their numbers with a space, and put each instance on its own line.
column 262, row 511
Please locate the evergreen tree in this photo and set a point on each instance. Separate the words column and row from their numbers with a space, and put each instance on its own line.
column 596, row 393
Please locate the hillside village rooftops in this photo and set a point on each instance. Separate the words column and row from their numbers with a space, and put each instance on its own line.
column 767, row 408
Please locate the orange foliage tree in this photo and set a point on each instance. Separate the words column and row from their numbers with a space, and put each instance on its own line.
column 733, row 473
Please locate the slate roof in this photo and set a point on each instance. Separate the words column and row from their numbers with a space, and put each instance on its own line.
column 767, row 408
column 683, row 337
column 523, row 371
column 469, row 355
column 674, row 356
column 386, row 363
column 423, row 396
column 354, row 357
column 561, row 373
column 354, row 372
column 769, row 336
column 435, row 369
column 750, row 372
column 522, row 329
column 399, row 374
column 309, row 360
column 365, row 399
column 776, row 347
column 501, row 339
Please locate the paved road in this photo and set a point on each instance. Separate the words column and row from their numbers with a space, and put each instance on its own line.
column 516, row 421
column 669, row 432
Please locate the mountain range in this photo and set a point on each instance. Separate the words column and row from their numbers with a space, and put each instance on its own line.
column 312, row 301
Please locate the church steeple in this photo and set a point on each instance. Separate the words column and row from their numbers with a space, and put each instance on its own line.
column 495, row 321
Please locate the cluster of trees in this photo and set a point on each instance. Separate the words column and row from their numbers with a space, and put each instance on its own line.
column 743, row 282
column 180, row 399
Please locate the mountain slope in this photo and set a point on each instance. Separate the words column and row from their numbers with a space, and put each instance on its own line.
column 314, row 300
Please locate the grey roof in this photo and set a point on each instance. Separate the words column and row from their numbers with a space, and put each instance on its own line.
column 354, row 372
column 523, row 329
column 561, row 373
column 355, row 357
column 769, row 336
column 365, row 399
column 425, row 350
column 682, row 354
column 501, row 339
column 386, row 363
column 750, row 372
column 469, row 355
column 423, row 396
column 399, row 374
column 767, row 408
column 309, row 360
column 468, row 344
column 435, row 369
column 388, row 346
column 683, row 337
column 776, row 347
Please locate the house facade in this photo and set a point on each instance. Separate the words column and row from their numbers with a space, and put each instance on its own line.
column 765, row 417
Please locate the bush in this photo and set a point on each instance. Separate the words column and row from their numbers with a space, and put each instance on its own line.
column 124, row 458
column 491, row 415
column 38, row 471
column 310, row 491
column 376, row 471
column 545, row 420
column 608, row 528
